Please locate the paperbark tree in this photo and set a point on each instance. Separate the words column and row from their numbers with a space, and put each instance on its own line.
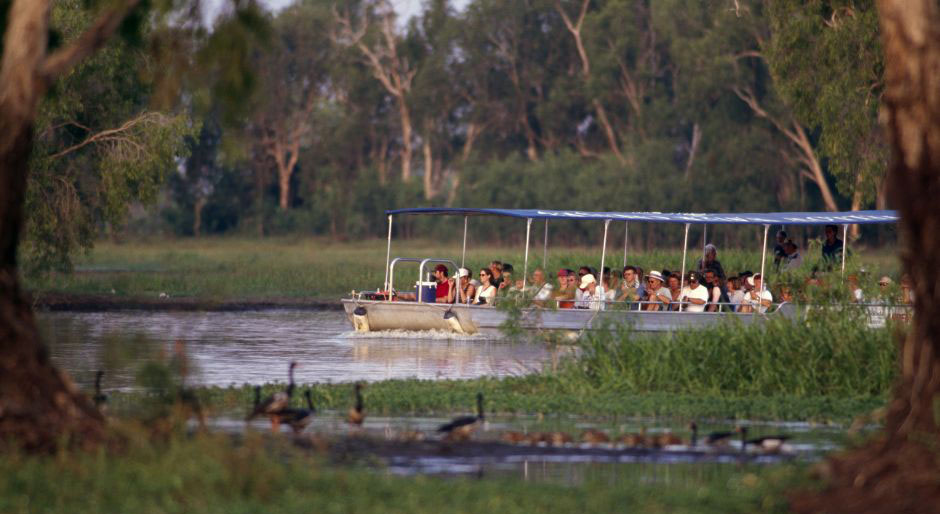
column 897, row 471
column 39, row 405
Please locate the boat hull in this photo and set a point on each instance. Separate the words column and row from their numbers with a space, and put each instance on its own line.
column 384, row 315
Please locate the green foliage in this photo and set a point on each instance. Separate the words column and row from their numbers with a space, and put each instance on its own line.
column 212, row 474
column 842, row 102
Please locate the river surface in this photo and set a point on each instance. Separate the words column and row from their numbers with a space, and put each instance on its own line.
column 255, row 347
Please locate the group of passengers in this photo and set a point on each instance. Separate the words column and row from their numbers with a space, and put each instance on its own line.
column 704, row 289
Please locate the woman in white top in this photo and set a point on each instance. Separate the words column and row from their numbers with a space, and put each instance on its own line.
column 487, row 291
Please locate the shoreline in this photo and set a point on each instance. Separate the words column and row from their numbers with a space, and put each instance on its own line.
column 70, row 302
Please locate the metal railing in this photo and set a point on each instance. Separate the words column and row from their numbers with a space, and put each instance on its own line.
column 423, row 263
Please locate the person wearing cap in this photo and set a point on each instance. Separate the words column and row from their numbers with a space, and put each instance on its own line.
column 884, row 283
column 694, row 296
column 591, row 295
column 657, row 296
column 757, row 298
column 442, row 291
column 461, row 286
column 565, row 295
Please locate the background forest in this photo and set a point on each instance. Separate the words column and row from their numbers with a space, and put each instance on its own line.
column 579, row 104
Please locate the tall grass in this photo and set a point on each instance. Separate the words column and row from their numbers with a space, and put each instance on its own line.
column 830, row 353
column 214, row 268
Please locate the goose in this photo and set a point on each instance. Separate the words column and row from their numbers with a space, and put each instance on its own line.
column 721, row 438
column 298, row 419
column 356, row 414
column 274, row 404
column 99, row 398
column 769, row 443
column 461, row 428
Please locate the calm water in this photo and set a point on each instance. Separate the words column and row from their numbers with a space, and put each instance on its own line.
column 254, row 347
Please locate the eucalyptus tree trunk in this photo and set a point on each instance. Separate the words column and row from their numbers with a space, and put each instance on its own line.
column 39, row 405
column 898, row 471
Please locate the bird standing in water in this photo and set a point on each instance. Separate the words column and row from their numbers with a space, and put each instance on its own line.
column 299, row 418
column 277, row 402
column 356, row 414
column 100, row 399
column 460, row 429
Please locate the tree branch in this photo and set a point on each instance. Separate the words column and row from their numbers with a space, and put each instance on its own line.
column 88, row 43
column 112, row 134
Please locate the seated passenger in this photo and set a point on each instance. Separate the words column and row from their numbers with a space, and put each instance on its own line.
column 857, row 296
column 486, row 293
column 630, row 287
column 442, row 291
column 735, row 292
column 657, row 296
column 505, row 282
column 675, row 287
column 786, row 294
column 755, row 298
column 461, row 288
column 541, row 291
column 605, row 290
column 592, row 297
column 496, row 268
column 794, row 260
column 694, row 297
column 717, row 296
column 565, row 295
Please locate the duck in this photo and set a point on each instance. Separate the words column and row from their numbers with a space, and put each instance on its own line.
column 665, row 439
column 637, row 440
column 298, row 419
column 356, row 414
column 513, row 437
column 594, row 436
column 100, row 399
column 277, row 402
column 410, row 436
column 558, row 438
column 461, row 428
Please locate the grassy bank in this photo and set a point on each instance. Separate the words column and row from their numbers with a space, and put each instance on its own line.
column 210, row 474
column 220, row 268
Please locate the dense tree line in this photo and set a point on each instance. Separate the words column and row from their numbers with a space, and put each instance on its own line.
column 582, row 104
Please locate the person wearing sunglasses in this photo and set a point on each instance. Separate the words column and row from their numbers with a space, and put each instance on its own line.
column 487, row 291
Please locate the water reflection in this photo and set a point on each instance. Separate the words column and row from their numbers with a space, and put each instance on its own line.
column 254, row 347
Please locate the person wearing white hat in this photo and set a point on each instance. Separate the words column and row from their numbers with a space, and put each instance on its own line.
column 657, row 295
column 591, row 298
column 465, row 289
column 757, row 297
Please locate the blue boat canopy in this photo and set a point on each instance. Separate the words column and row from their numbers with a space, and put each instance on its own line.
column 744, row 218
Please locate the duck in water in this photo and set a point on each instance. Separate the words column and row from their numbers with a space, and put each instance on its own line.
column 277, row 402
column 461, row 428
column 357, row 413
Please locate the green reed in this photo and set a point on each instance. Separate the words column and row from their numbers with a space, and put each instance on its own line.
column 829, row 353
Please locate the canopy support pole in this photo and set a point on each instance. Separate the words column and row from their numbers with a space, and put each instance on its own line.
column 685, row 247
column 545, row 248
column 388, row 253
column 763, row 260
column 845, row 240
column 704, row 244
column 463, row 254
column 525, row 264
column 600, row 280
column 626, row 239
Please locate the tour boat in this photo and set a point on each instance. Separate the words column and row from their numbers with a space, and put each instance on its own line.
column 380, row 310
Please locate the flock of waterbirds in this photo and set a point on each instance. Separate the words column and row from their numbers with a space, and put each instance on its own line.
column 278, row 409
